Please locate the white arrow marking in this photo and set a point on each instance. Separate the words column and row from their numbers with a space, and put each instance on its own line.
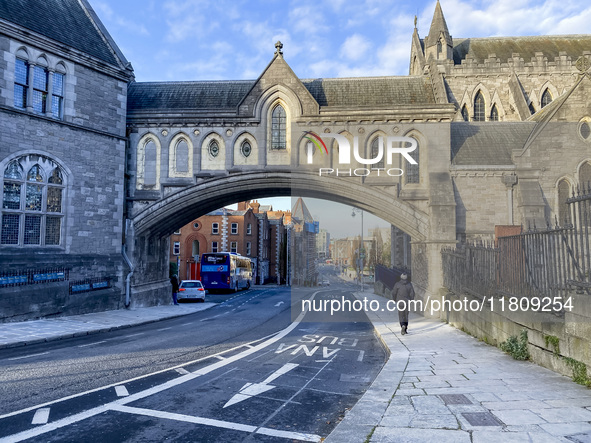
column 279, row 304
column 251, row 389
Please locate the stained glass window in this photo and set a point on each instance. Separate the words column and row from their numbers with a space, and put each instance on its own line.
column 278, row 128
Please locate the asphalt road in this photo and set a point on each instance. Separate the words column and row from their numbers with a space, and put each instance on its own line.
column 239, row 371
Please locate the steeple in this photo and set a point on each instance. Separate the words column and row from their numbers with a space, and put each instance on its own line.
column 438, row 44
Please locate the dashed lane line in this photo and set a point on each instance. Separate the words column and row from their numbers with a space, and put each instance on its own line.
column 28, row 356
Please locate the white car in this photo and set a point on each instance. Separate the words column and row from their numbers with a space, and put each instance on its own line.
column 325, row 282
column 191, row 290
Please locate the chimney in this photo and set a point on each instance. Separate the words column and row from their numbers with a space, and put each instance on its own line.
column 255, row 207
column 243, row 206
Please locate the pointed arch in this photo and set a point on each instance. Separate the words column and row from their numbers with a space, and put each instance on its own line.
column 564, row 189
column 213, row 152
column 246, row 150
column 180, row 156
column 413, row 173
column 148, row 162
column 479, row 107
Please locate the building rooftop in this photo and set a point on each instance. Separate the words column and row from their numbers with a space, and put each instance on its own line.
column 70, row 22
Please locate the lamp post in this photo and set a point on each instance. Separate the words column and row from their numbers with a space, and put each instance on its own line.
column 361, row 248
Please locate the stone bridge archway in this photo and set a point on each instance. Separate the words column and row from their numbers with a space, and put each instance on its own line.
column 148, row 231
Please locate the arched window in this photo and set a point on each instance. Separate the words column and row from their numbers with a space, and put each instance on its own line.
column 32, row 203
column 375, row 151
column 494, row 114
column 479, row 107
column 412, row 172
column 182, row 156
column 563, row 209
column 465, row 114
column 278, row 128
column 546, row 98
column 150, row 163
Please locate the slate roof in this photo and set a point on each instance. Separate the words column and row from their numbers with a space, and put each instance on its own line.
column 487, row 143
column 300, row 211
column 504, row 47
column 371, row 91
column 187, row 95
column 64, row 21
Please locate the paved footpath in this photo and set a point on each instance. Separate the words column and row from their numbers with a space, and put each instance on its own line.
column 445, row 386
column 439, row 384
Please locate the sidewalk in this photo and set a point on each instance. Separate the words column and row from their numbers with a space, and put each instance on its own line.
column 38, row 331
column 442, row 385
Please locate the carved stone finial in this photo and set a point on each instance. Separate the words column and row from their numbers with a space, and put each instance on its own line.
column 415, row 22
column 278, row 48
column 583, row 64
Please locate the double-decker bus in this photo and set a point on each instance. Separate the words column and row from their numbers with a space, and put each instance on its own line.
column 225, row 271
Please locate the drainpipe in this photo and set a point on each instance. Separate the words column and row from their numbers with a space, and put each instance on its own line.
column 131, row 270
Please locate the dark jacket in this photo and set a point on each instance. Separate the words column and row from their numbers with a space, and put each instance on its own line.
column 403, row 290
column 175, row 284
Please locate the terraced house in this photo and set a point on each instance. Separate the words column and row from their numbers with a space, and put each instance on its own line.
column 99, row 170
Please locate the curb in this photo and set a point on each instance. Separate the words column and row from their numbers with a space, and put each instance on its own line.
column 367, row 413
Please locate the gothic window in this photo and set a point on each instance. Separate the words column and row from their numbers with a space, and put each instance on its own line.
column 57, row 98
column 375, row 151
column 182, row 156
column 546, row 98
column 21, row 83
column 479, row 107
column 278, row 128
column 494, row 114
column 246, row 148
column 563, row 209
column 213, row 148
column 585, row 130
column 32, row 203
column 150, row 163
column 412, row 171
column 40, row 80
column 465, row 115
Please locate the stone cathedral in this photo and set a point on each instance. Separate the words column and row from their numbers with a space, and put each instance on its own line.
column 98, row 168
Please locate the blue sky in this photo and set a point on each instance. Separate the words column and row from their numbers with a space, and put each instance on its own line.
column 233, row 39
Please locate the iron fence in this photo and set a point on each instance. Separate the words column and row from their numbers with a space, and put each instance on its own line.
column 33, row 276
column 539, row 262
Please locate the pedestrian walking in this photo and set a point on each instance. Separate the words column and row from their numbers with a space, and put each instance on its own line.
column 174, row 281
column 403, row 292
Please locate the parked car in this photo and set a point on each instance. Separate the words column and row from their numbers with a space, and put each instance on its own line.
column 325, row 282
column 191, row 290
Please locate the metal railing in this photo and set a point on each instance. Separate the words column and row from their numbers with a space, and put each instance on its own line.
column 33, row 276
column 539, row 262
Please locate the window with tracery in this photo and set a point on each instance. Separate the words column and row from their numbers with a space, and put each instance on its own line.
column 33, row 190
column 479, row 107
column 375, row 152
column 412, row 172
column 494, row 114
column 278, row 128
column 546, row 98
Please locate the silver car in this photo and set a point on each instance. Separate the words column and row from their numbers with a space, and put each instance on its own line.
column 191, row 290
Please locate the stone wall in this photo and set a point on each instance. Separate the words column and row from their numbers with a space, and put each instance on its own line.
column 553, row 342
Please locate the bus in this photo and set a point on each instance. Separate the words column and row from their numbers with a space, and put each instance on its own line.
column 225, row 271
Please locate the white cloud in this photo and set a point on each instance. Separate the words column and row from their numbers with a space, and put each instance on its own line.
column 355, row 47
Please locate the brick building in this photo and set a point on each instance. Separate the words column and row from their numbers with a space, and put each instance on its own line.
column 247, row 231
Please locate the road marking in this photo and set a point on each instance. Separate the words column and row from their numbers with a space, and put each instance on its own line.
column 219, row 423
column 121, row 391
column 164, row 329
column 28, row 356
column 41, row 416
column 92, row 344
column 249, row 390
column 187, row 324
column 24, row 435
column 279, row 304
column 182, row 371
column 133, row 335
column 219, row 357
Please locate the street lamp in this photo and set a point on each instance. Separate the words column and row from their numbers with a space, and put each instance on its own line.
column 361, row 248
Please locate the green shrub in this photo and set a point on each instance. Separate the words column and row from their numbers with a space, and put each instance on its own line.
column 516, row 346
